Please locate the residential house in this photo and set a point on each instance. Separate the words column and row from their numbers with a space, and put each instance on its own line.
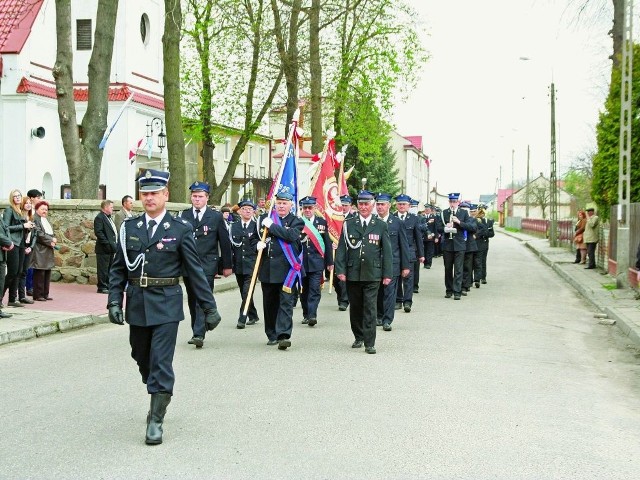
column 533, row 201
column 413, row 165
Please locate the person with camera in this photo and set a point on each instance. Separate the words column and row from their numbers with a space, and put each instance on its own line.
column 455, row 228
column 156, row 250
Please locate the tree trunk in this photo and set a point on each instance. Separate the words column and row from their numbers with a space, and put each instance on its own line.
column 63, row 75
column 315, row 70
column 84, row 158
column 173, row 115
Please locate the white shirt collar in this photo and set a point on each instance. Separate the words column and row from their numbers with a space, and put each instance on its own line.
column 157, row 219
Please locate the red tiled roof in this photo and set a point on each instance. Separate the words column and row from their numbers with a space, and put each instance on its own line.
column 503, row 194
column 415, row 142
column 117, row 94
column 16, row 20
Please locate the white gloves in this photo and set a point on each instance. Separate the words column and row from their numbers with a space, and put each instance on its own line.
column 261, row 246
column 267, row 222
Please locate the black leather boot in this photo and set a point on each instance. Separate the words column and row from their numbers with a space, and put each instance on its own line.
column 159, row 402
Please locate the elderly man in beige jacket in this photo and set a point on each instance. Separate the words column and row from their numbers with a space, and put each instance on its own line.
column 590, row 236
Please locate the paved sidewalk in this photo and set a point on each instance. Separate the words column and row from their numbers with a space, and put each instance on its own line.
column 598, row 287
column 73, row 306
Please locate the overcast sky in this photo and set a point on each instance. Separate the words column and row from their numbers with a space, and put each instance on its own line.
column 477, row 100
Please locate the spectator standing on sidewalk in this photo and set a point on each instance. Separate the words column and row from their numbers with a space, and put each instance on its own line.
column 578, row 238
column 42, row 261
column 591, row 236
column 124, row 212
column 157, row 249
column 29, row 243
column 106, row 243
column 17, row 225
column 6, row 245
column 35, row 196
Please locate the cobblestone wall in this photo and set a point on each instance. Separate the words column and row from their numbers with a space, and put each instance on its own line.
column 72, row 222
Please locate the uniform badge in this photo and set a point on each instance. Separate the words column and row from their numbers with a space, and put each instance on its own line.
column 166, row 225
column 148, row 174
column 160, row 245
column 139, row 224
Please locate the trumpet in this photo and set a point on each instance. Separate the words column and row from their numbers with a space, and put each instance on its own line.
column 449, row 228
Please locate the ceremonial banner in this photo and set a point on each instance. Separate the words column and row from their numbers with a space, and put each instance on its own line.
column 327, row 193
column 108, row 131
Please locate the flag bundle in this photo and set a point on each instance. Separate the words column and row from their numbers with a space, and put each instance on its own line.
column 286, row 179
column 134, row 151
column 108, row 131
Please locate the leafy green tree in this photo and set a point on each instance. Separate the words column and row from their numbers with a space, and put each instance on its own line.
column 578, row 179
column 380, row 171
column 604, row 188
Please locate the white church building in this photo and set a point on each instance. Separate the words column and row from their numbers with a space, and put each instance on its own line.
column 31, row 153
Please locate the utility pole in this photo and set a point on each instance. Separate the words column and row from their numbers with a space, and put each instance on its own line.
column 526, row 193
column 624, row 162
column 553, row 197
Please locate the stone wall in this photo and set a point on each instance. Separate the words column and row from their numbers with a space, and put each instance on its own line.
column 72, row 222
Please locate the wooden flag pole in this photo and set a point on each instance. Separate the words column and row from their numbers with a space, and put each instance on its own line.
column 254, row 276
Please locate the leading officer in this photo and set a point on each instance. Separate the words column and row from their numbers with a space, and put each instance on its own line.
column 363, row 260
column 155, row 249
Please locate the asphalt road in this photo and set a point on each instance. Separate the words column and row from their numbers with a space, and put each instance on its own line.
column 516, row 381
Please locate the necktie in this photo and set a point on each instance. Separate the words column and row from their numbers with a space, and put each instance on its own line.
column 150, row 225
column 364, row 224
column 197, row 215
column 244, row 226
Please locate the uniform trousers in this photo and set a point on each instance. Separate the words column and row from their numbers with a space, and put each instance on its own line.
column 244, row 282
column 482, row 259
column 152, row 348
column 341, row 291
column 103, row 265
column 405, row 287
column 310, row 296
column 416, row 275
column 278, row 310
column 363, row 300
column 195, row 310
column 453, row 268
column 429, row 252
column 386, row 301
column 471, row 269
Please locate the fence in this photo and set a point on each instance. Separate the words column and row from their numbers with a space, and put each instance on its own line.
column 606, row 251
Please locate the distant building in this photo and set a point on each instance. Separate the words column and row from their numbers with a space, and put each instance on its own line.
column 534, row 198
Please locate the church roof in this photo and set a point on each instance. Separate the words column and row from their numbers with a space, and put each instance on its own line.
column 16, row 20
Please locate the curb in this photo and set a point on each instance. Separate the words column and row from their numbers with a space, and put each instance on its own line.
column 625, row 326
column 53, row 327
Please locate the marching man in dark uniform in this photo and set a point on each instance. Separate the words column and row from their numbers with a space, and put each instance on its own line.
column 364, row 259
column 317, row 255
column 429, row 235
column 155, row 249
column 339, row 285
column 281, row 269
column 244, row 242
column 456, row 226
column 483, row 234
column 213, row 245
column 400, row 249
column 412, row 227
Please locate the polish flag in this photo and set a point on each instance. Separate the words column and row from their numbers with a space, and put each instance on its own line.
column 134, row 150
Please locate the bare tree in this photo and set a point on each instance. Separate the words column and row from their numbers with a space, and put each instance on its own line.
column 84, row 157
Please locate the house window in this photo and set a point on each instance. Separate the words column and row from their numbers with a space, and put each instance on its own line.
column 227, row 149
column 250, row 156
column 261, row 156
column 144, row 28
column 84, row 34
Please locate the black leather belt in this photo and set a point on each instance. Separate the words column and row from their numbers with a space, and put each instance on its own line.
column 154, row 282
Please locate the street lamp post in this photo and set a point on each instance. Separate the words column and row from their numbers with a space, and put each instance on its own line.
column 162, row 138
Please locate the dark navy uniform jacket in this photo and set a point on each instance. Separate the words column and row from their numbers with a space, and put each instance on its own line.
column 372, row 260
column 212, row 239
column 459, row 241
column 243, row 245
column 274, row 266
column 414, row 236
column 315, row 261
column 171, row 251
column 399, row 244
column 482, row 234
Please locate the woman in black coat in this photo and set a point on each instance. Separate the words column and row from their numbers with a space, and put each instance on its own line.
column 17, row 226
